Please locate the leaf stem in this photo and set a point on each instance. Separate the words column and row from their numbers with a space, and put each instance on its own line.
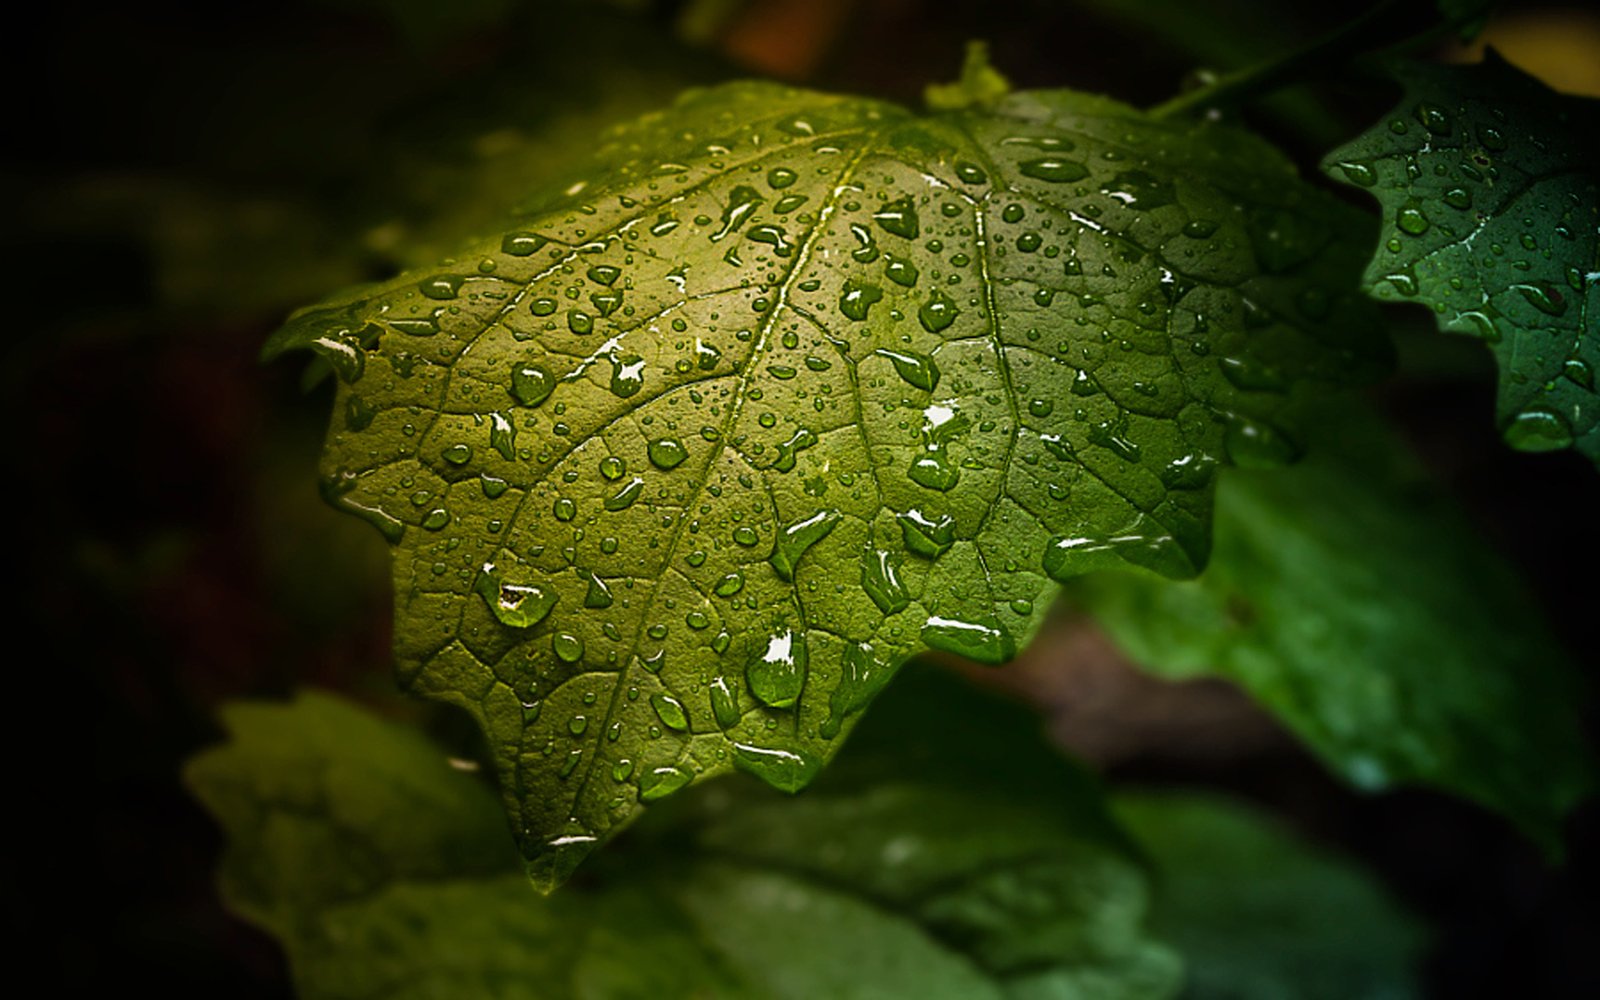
column 1343, row 42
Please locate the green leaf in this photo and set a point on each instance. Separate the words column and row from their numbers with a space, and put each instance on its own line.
column 1490, row 190
column 681, row 468
column 1355, row 602
column 385, row 872
column 1260, row 915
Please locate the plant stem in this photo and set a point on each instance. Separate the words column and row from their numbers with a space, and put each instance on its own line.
column 1232, row 88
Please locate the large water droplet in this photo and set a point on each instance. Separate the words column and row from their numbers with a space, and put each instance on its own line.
column 861, row 677
column 1539, row 429
column 880, row 578
column 666, row 453
column 899, row 217
column 857, row 298
column 778, row 675
column 985, row 642
column 725, row 702
column 785, row 770
column 670, row 711
column 929, row 537
column 801, row 440
column 521, row 244
column 795, row 539
column 937, row 313
column 625, row 497
column 567, row 647
column 517, row 605
column 659, row 782
column 918, row 369
column 1054, row 169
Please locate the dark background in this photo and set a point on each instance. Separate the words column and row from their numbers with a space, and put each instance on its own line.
column 181, row 181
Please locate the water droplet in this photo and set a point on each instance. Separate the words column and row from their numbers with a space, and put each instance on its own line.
column 1411, row 220
column 785, row 770
column 742, row 201
column 613, row 467
column 542, row 306
column 857, row 298
column 625, row 497
column 781, row 177
column 900, row 271
column 1458, row 198
column 670, row 711
column 1544, row 296
column 880, row 578
column 441, row 286
column 1054, row 169
column 502, row 436
column 627, row 375
column 795, row 539
column 1199, row 229
column 1255, row 444
column 985, row 642
column 1139, row 190
column 778, row 675
column 659, row 782
column 1358, row 173
column 577, row 725
column 605, row 274
column 970, row 173
column 1539, row 429
column 564, row 509
column 567, row 646
column 1434, row 118
column 937, row 313
column 667, row 453
column 725, row 702
column 729, row 585
column 801, row 440
column 521, row 244
column 929, row 537
column 513, row 604
column 919, row 370
column 1580, row 373
column 599, row 595
column 899, row 217
column 458, row 454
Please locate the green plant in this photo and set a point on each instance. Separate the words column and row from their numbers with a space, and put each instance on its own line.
column 782, row 389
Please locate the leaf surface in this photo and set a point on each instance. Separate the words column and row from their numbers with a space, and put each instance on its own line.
column 385, row 872
column 1259, row 914
column 682, row 467
column 1355, row 602
column 1490, row 192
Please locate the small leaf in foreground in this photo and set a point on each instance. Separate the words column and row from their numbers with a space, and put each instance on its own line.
column 385, row 872
column 1489, row 184
column 1260, row 915
column 1355, row 602
column 684, row 466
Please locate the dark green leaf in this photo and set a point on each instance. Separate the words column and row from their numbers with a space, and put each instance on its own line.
column 681, row 468
column 386, row 872
column 1354, row 601
column 1260, row 915
column 1490, row 190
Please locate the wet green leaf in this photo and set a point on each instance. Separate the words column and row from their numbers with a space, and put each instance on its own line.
column 1260, row 915
column 1490, row 191
column 1355, row 602
column 810, row 384
column 386, row 872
